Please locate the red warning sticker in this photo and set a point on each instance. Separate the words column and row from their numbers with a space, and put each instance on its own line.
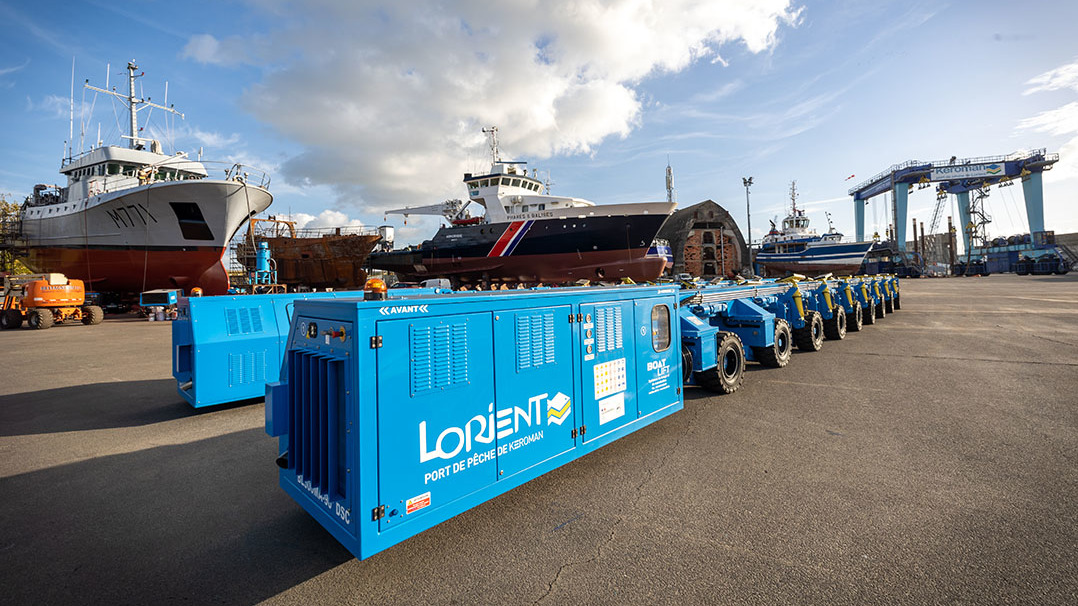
column 416, row 503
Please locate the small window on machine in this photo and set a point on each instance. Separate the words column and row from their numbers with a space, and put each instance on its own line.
column 660, row 328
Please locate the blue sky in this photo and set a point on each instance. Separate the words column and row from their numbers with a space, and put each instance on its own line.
column 358, row 107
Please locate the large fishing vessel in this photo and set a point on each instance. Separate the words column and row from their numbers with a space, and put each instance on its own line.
column 528, row 235
column 133, row 218
column 798, row 249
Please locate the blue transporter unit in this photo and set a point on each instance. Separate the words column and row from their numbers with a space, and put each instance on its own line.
column 394, row 416
column 226, row 348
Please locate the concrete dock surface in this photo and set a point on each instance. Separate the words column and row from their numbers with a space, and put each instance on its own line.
column 930, row 458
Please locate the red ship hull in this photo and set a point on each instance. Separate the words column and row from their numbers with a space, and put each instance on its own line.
column 131, row 270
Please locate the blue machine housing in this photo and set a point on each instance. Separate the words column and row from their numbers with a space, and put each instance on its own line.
column 394, row 416
column 226, row 348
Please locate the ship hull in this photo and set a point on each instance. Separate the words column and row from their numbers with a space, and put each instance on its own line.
column 162, row 235
column 606, row 248
column 841, row 258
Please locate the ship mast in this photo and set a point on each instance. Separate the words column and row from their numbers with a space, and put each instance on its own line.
column 793, row 196
column 493, row 132
column 133, row 102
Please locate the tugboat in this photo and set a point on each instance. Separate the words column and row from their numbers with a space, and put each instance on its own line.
column 527, row 235
column 798, row 249
column 132, row 219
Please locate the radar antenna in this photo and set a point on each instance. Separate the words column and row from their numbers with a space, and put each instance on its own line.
column 492, row 131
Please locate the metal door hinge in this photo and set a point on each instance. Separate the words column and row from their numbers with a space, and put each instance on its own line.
column 572, row 318
column 376, row 341
column 378, row 513
column 572, row 434
column 583, row 429
column 579, row 317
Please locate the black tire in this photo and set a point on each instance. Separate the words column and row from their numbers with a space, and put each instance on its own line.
column 898, row 301
column 39, row 319
column 855, row 320
column 729, row 373
column 92, row 315
column 889, row 305
column 835, row 328
column 880, row 311
column 869, row 314
column 686, row 363
column 810, row 337
column 10, row 318
column 780, row 352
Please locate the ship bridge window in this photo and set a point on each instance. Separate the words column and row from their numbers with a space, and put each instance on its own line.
column 524, row 208
column 505, row 181
column 113, row 169
column 473, row 185
column 192, row 224
column 515, row 182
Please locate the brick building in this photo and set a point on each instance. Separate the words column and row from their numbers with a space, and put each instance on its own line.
column 705, row 241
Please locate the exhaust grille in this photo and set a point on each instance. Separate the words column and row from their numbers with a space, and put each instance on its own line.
column 316, row 449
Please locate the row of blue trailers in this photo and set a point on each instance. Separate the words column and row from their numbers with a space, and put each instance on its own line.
column 397, row 411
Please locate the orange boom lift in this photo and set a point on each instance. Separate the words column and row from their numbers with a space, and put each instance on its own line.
column 46, row 299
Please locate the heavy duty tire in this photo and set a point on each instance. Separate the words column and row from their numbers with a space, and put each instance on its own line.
column 880, row 311
column 780, row 352
column 810, row 338
column 889, row 305
column 39, row 319
column 686, row 363
column 898, row 301
column 835, row 328
column 92, row 314
column 869, row 313
column 10, row 318
column 855, row 320
column 728, row 374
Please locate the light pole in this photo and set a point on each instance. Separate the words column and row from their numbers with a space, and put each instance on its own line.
column 747, row 182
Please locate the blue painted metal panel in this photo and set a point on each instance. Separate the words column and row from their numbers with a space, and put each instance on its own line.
column 608, row 396
column 450, row 365
column 657, row 356
column 226, row 348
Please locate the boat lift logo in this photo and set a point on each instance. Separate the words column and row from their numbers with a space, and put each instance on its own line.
column 993, row 169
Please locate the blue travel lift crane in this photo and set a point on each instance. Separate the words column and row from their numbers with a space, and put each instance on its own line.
column 963, row 177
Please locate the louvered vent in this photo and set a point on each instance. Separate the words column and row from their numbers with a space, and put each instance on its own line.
column 535, row 340
column 316, row 428
column 243, row 320
column 439, row 356
column 608, row 328
column 247, row 367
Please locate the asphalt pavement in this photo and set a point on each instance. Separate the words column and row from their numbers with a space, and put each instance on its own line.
column 930, row 458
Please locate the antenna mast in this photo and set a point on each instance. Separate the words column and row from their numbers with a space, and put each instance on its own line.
column 133, row 102
column 669, row 182
column 793, row 195
column 493, row 132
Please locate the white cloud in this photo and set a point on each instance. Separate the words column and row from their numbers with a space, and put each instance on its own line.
column 15, row 68
column 326, row 218
column 1062, row 121
column 1064, row 76
column 205, row 48
column 388, row 98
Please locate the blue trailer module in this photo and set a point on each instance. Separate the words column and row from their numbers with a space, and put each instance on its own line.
column 226, row 348
column 394, row 416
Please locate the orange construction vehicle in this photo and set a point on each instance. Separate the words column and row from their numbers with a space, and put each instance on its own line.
column 46, row 299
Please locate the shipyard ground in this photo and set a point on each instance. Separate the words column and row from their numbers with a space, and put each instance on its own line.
column 931, row 458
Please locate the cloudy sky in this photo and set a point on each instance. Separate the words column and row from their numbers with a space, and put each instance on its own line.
column 356, row 107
